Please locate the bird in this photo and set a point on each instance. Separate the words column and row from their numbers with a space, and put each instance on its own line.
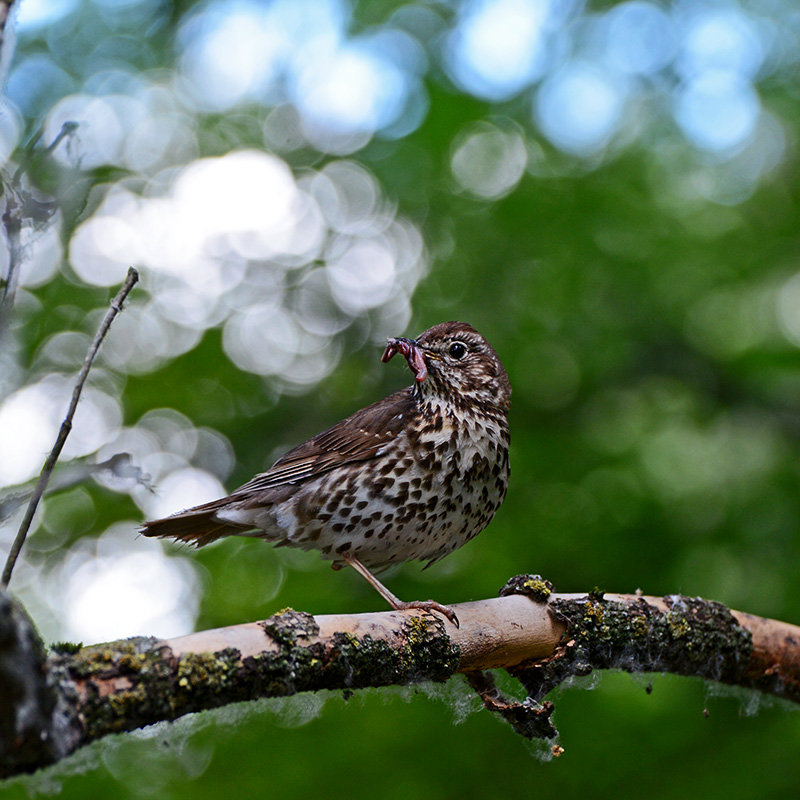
column 413, row 476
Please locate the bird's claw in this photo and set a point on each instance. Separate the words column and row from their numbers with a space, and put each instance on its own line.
column 431, row 605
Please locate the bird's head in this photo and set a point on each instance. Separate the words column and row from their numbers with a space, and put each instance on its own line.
column 453, row 361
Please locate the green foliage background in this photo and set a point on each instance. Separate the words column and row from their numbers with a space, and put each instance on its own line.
column 655, row 444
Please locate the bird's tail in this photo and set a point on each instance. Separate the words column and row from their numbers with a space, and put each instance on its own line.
column 198, row 526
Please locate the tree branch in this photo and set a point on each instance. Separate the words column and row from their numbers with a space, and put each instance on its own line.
column 66, row 425
column 13, row 228
column 52, row 705
column 23, row 206
column 74, row 473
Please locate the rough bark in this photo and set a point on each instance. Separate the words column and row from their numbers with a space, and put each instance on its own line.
column 50, row 705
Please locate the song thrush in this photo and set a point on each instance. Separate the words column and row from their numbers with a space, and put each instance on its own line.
column 414, row 476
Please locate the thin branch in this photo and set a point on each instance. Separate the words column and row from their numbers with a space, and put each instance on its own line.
column 66, row 425
column 22, row 207
column 51, row 706
column 67, row 129
column 13, row 228
column 74, row 473
column 7, row 38
column 5, row 8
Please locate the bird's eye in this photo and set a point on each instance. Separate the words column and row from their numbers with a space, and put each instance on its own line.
column 457, row 350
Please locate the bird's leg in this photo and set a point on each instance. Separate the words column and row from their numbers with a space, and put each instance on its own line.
column 393, row 600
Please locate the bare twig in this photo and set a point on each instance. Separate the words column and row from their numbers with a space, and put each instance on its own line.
column 5, row 7
column 56, row 704
column 22, row 207
column 13, row 227
column 66, row 425
column 120, row 466
column 7, row 38
column 67, row 129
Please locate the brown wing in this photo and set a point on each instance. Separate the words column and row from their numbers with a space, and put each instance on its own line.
column 360, row 437
column 357, row 438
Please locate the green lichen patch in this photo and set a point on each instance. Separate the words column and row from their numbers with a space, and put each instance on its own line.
column 128, row 684
column 117, row 686
column 693, row 637
column 288, row 625
column 66, row 648
column 203, row 679
column 102, row 659
column 534, row 586
column 428, row 653
column 348, row 660
column 141, row 688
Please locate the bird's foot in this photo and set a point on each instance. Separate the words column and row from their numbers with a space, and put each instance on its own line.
column 429, row 605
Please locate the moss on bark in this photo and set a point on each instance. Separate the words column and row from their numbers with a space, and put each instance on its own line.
column 693, row 637
column 127, row 684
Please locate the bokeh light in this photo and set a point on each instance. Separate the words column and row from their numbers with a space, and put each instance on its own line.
column 488, row 162
column 344, row 88
column 640, row 38
column 717, row 111
column 579, row 107
column 30, row 419
column 117, row 586
column 499, row 47
column 218, row 245
column 37, row 13
column 720, row 39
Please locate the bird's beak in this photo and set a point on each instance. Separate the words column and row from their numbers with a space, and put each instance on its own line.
column 413, row 353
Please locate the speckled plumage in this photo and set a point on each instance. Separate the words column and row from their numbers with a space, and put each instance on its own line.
column 414, row 476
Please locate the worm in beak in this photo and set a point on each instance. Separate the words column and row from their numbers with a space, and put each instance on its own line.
column 413, row 353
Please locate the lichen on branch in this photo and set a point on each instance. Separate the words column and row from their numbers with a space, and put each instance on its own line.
column 691, row 637
column 131, row 683
column 78, row 694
